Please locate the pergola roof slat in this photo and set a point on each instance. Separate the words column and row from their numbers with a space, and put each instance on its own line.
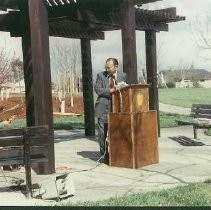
column 166, row 15
column 76, row 16
column 10, row 4
column 14, row 4
column 52, row 3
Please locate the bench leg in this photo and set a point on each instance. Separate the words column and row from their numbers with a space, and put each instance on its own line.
column 194, row 132
column 28, row 181
column 27, row 163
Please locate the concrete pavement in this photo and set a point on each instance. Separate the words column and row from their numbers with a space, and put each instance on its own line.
column 77, row 155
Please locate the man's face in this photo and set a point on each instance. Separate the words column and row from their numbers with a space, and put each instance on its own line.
column 110, row 67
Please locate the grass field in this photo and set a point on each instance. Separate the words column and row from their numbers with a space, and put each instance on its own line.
column 185, row 97
column 166, row 120
column 197, row 194
column 59, row 123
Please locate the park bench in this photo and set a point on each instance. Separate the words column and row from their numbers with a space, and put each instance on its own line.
column 201, row 114
column 24, row 146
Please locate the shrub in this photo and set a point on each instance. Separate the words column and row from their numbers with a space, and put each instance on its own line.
column 170, row 84
column 196, row 84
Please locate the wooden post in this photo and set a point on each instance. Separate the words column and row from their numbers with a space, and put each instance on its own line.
column 28, row 78
column 151, row 67
column 39, row 31
column 28, row 73
column 87, row 87
column 128, row 24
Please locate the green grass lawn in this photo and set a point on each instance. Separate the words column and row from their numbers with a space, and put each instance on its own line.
column 185, row 97
column 197, row 194
column 59, row 123
column 166, row 120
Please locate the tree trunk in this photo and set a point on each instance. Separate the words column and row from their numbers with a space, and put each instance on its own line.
column 63, row 106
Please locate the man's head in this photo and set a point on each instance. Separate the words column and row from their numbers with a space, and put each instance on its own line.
column 111, row 65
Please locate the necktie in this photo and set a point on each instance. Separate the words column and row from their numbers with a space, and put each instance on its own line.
column 111, row 81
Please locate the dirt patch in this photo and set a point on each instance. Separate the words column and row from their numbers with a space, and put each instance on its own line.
column 12, row 102
column 78, row 107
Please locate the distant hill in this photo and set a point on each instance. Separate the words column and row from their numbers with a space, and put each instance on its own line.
column 191, row 74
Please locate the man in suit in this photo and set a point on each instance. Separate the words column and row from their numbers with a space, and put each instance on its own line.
column 105, row 85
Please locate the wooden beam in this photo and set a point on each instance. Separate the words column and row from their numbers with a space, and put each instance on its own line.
column 39, row 31
column 12, row 22
column 70, row 29
column 9, row 4
column 151, row 67
column 95, row 4
column 105, row 21
column 129, row 41
column 171, row 11
column 28, row 78
column 88, row 97
column 143, row 23
column 3, row 9
column 89, row 24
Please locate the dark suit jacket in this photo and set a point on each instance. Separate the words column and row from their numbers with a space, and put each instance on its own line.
column 102, row 105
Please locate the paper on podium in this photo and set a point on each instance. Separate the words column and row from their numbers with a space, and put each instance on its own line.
column 121, row 85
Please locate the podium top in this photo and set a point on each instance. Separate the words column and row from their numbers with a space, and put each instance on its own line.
column 134, row 86
column 130, row 99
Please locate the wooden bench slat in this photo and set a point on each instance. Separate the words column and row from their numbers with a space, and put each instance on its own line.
column 18, row 140
column 5, row 162
column 203, row 106
column 9, row 153
column 203, row 111
column 11, row 141
column 36, row 130
column 11, row 132
column 36, row 140
column 202, row 115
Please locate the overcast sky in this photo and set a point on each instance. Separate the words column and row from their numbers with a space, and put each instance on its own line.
column 176, row 48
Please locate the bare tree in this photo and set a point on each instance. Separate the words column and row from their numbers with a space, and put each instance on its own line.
column 66, row 69
column 201, row 31
column 5, row 66
column 17, row 71
column 161, row 52
column 185, row 70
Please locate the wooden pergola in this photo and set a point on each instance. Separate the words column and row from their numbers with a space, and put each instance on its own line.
column 35, row 20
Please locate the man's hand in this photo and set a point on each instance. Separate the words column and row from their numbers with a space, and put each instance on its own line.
column 112, row 90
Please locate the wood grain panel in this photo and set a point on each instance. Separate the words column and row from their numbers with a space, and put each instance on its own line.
column 133, row 139
column 120, row 143
column 146, row 138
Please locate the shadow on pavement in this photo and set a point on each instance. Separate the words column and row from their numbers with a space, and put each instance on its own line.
column 92, row 155
column 64, row 135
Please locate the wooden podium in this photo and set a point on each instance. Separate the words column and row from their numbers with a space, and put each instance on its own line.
column 132, row 129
